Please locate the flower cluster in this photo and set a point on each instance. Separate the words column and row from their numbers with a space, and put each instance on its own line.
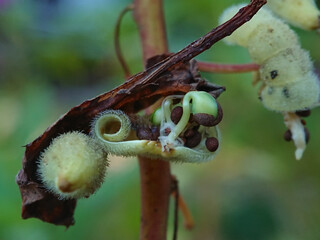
column 183, row 129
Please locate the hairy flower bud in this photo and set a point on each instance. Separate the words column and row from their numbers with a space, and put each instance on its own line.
column 288, row 82
column 73, row 166
column 303, row 14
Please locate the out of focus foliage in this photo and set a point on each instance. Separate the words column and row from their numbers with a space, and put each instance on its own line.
column 54, row 54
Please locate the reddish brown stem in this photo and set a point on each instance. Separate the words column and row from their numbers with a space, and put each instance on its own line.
column 155, row 191
column 227, row 68
column 155, row 174
column 149, row 17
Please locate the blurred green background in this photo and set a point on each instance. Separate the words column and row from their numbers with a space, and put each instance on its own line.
column 54, row 54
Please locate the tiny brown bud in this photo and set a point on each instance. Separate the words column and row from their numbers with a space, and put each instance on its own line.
column 155, row 133
column 144, row 133
column 190, row 132
column 176, row 114
column 287, row 135
column 212, row 144
column 204, row 119
column 303, row 113
column 193, row 140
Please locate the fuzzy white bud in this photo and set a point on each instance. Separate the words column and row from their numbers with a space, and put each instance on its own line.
column 73, row 166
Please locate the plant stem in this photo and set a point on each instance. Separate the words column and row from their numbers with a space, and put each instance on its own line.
column 227, row 68
column 155, row 174
column 149, row 17
column 155, row 192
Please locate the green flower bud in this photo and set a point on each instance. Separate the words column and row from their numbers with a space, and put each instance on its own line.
column 195, row 102
column 73, row 166
column 303, row 14
column 156, row 117
column 203, row 102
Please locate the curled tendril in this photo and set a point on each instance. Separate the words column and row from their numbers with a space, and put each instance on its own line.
column 115, row 132
column 112, row 125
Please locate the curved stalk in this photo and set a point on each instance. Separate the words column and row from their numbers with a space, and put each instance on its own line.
column 119, row 54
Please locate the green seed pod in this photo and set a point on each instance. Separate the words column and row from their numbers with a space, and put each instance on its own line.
column 73, row 166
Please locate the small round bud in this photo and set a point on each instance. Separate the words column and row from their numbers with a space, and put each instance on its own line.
column 190, row 132
column 212, row 144
column 144, row 133
column 193, row 138
column 204, row 119
column 155, row 133
column 73, row 166
column 176, row 114
column 203, row 102
column 156, row 117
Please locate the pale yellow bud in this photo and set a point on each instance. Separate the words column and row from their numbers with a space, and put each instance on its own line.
column 73, row 166
column 301, row 13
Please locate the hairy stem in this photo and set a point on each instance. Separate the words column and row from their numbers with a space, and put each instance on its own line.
column 155, row 174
